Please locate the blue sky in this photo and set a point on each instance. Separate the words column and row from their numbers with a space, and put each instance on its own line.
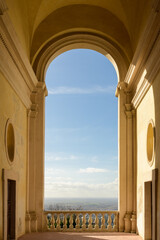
column 81, row 126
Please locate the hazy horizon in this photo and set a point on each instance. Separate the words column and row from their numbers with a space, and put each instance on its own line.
column 83, row 204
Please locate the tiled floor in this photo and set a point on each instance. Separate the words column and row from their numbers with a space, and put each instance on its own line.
column 80, row 236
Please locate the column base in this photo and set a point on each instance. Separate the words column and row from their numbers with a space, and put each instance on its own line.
column 33, row 221
column 28, row 222
column 127, row 222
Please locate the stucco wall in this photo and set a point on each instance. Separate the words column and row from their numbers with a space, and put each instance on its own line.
column 147, row 110
column 12, row 108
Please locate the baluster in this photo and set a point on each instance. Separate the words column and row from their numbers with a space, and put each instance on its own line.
column 83, row 222
column 54, row 221
column 49, row 221
column 109, row 228
column 77, row 221
column 90, row 222
column 71, row 222
column 103, row 222
column 58, row 222
column 114, row 221
column 65, row 222
column 100, row 221
column 96, row 222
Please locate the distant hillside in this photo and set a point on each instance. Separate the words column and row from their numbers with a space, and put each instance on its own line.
column 81, row 204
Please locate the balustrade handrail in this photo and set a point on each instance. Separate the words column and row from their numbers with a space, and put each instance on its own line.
column 80, row 211
column 81, row 220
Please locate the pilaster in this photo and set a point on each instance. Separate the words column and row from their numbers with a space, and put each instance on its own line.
column 129, row 160
column 36, row 158
column 122, row 99
column 126, row 142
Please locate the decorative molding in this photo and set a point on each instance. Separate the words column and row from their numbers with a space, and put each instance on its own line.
column 129, row 74
column 133, row 222
column 32, row 113
column 141, row 77
column 41, row 87
column 150, row 160
column 127, row 222
column 16, row 69
column 74, row 40
column 33, row 221
column 145, row 48
column 3, row 7
column 128, row 111
column 11, row 159
column 140, row 93
column 121, row 86
column 149, row 73
column 28, row 222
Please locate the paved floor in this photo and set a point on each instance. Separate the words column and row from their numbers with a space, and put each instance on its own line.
column 80, row 236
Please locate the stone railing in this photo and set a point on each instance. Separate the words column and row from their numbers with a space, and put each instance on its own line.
column 81, row 221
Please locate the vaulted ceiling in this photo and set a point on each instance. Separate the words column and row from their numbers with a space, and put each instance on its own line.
column 38, row 21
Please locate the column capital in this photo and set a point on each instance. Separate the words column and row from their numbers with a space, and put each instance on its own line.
column 41, row 88
column 121, row 86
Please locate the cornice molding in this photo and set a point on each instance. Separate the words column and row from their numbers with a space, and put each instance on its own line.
column 3, row 7
column 14, row 63
column 147, row 76
column 145, row 46
column 146, row 61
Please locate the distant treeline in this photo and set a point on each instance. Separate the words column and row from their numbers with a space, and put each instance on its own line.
column 80, row 204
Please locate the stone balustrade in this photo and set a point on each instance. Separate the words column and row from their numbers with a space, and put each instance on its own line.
column 81, row 221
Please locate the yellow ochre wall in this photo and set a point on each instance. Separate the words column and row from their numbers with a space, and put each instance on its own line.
column 149, row 109
column 12, row 108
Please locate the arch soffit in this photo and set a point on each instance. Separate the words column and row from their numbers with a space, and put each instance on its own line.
column 77, row 41
column 84, row 18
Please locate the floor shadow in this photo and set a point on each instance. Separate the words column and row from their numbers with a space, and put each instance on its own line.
column 79, row 236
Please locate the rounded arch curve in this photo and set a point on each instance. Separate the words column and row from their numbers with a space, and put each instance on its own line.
column 79, row 40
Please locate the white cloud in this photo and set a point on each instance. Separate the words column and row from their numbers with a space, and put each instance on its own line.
column 59, row 157
column 53, row 171
column 93, row 170
column 74, row 90
column 66, row 188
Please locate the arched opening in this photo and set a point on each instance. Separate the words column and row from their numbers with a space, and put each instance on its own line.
column 81, row 131
column 40, row 65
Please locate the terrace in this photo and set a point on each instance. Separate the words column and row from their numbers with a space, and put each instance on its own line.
column 80, row 236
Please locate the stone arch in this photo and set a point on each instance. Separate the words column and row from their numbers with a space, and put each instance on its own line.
column 40, row 64
column 80, row 40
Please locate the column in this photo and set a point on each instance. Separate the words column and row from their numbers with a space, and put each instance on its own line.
column 31, row 221
column 122, row 158
column 133, row 218
column 129, row 167
column 36, row 158
column 39, row 153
